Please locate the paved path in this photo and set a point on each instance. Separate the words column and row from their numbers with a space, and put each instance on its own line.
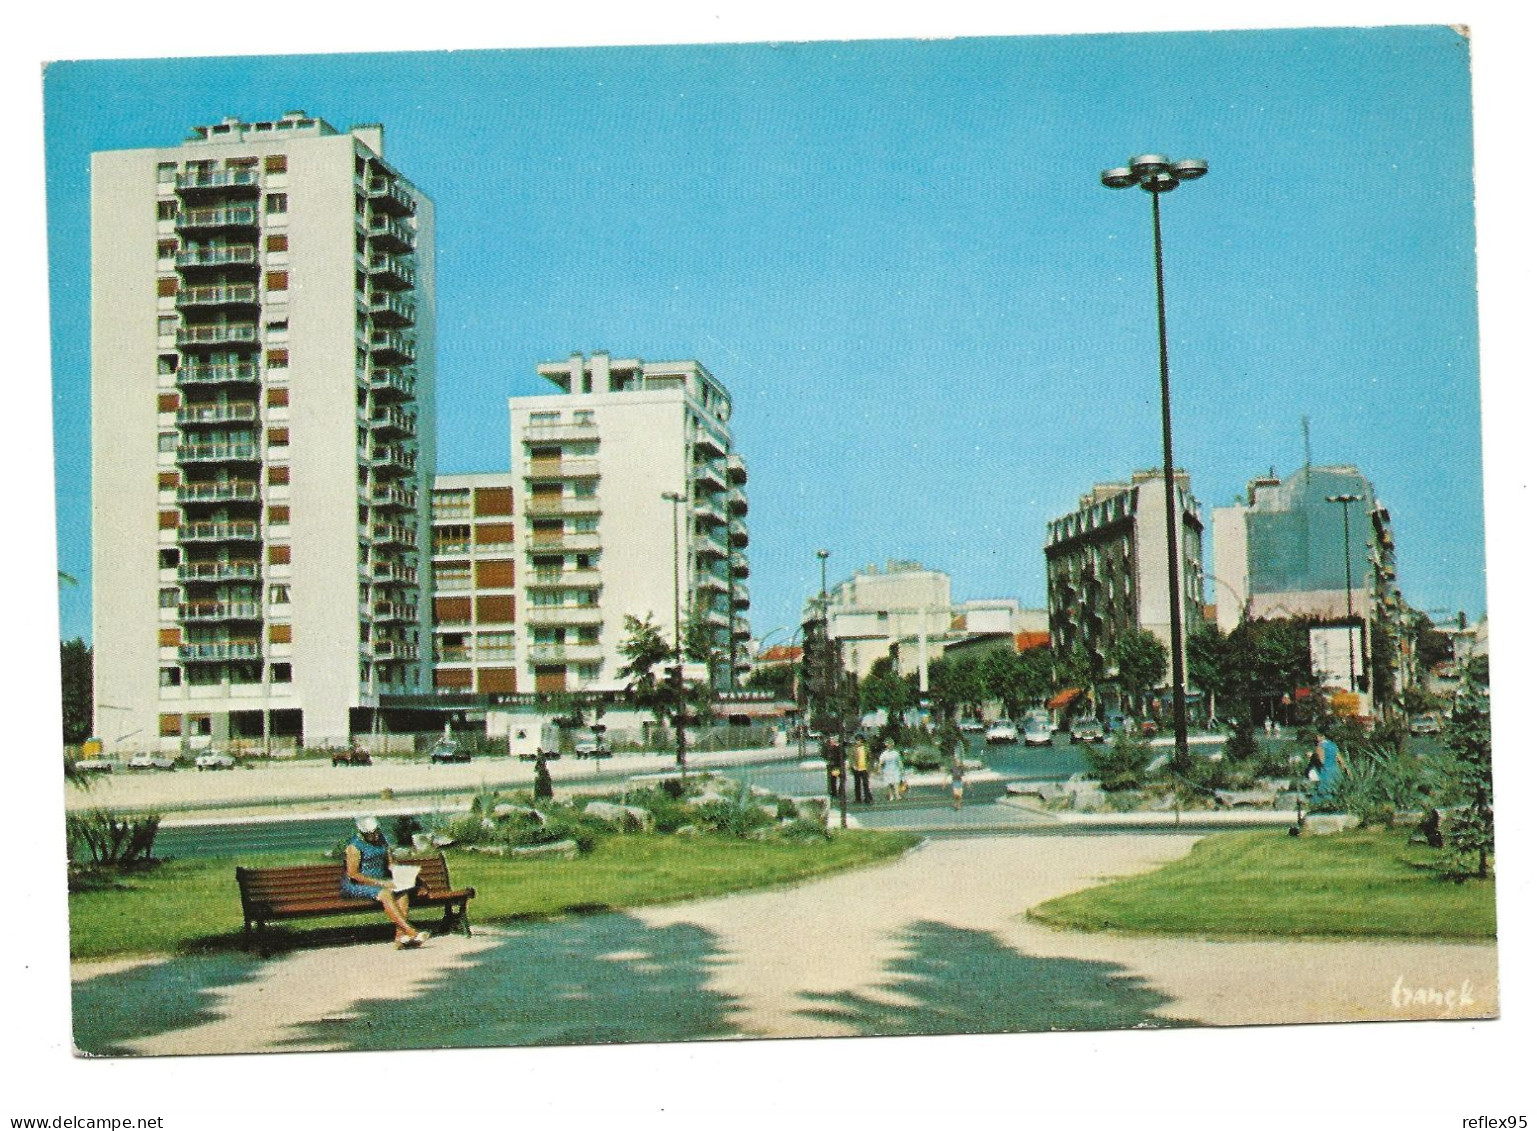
column 932, row 943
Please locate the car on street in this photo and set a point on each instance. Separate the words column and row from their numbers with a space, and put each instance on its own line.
column 972, row 726
column 1037, row 732
column 1002, row 734
column 592, row 748
column 94, row 766
column 1086, row 728
column 353, row 756
column 214, row 760
column 447, row 750
column 1425, row 724
column 152, row 762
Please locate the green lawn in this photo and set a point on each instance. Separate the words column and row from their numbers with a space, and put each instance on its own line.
column 1246, row 884
column 189, row 905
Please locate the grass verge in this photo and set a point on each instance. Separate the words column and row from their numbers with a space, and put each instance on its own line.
column 1361, row 884
column 185, row 906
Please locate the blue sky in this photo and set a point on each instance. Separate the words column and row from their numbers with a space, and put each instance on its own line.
column 937, row 327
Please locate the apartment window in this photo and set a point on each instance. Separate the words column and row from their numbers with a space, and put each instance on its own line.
column 494, row 610
column 543, row 420
column 277, row 437
column 494, row 575
column 165, row 210
column 165, row 172
column 166, row 442
column 495, row 645
column 277, row 595
column 170, row 598
column 496, row 681
column 166, row 363
column 170, row 677
column 167, row 402
column 588, row 672
column 169, row 520
column 451, row 610
column 493, row 501
column 360, row 244
column 549, row 636
column 168, row 480
column 277, row 475
column 276, row 515
column 277, row 203
column 279, row 555
column 165, row 325
column 170, row 726
column 277, row 280
column 586, row 524
column 276, row 163
column 277, row 359
column 277, row 398
column 277, row 243
column 165, row 249
column 278, row 326
column 280, row 633
column 359, row 205
column 170, row 558
column 170, row 637
column 359, row 166
column 282, row 673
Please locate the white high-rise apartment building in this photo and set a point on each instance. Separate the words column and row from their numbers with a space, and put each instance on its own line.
column 262, row 434
column 592, row 465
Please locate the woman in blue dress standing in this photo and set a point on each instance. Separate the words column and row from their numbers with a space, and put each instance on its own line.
column 1325, row 768
column 367, row 876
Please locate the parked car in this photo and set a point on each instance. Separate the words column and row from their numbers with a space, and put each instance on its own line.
column 972, row 726
column 353, row 756
column 1086, row 728
column 1037, row 732
column 447, row 750
column 1425, row 724
column 592, row 748
column 94, row 766
column 213, row 760
column 1002, row 734
column 152, row 762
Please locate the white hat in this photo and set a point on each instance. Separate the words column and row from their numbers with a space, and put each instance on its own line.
column 368, row 825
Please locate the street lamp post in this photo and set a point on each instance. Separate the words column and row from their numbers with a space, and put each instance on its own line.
column 675, row 498
column 1156, row 175
column 1350, row 604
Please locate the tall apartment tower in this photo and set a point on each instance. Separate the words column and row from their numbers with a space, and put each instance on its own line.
column 261, row 436
column 593, row 463
column 1107, row 567
column 474, row 575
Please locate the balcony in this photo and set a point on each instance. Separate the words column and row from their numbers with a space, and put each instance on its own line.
column 395, row 650
column 387, row 195
column 232, row 491
column 740, row 568
column 560, row 433
column 234, row 412
column 393, row 534
column 709, row 478
column 736, row 470
column 222, row 373
column 394, row 611
column 219, row 653
column 707, row 513
column 390, row 272
column 212, row 297
column 238, row 452
column 560, row 469
column 740, row 629
column 385, row 233
column 390, row 422
column 587, row 505
column 564, row 543
column 739, row 537
column 220, row 571
column 708, row 446
column 217, row 255
column 396, row 384
column 394, row 573
column 219, row 532
column 710, row 583
column 202, row 183
column 219, row 334
column 740, row 597
column 392, row 459
column 203, row 612
column 391, row 310
column 736, row 503
column 563, row 614
column 218, row 219
column 390, row 348
column 392, row 496
column 564, row 653
column 564, row 578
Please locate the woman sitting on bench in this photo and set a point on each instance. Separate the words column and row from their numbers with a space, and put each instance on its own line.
column 368, row 877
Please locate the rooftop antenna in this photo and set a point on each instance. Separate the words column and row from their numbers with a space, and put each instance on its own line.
column 1307, row 453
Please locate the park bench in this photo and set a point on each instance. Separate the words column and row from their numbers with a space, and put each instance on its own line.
column 307, row 891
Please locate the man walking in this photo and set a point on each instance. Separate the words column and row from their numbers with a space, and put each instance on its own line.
column 861, row 767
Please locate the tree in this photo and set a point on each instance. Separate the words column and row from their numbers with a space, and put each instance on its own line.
column 1468, row 783
column 644, row 649
column 778, row 678
column 1141, row 659
column 886, row 689
column 76, row 683
column 1017, row 679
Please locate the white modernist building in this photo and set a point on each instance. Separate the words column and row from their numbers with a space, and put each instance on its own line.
column 262, row 434
column 594, row 465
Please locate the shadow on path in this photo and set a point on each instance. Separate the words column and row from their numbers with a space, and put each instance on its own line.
column 148, row 1000
column 590, row 979
column 965, row 981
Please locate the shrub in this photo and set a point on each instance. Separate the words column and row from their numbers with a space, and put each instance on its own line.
column 1380, row 783
column 1240, row 746
column 1120, row 765
column 110, row 840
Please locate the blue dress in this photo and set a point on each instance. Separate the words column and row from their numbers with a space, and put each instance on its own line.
column 375, row 863
column 1328, row 773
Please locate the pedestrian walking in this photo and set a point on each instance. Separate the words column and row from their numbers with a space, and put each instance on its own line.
column 891, row 773
column 957, row 783
column 832, row 754
column 860, row 764
column 1326, row 766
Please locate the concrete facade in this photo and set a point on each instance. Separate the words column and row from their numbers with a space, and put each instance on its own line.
column 474, row 584
column 1107, row 567
column 262, row 434
column 590, row 466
